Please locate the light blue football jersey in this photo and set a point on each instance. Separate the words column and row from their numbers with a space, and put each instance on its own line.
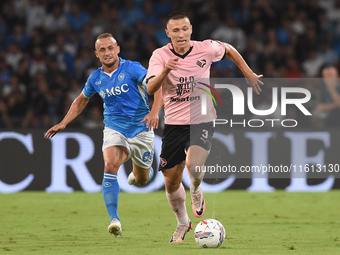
column 124, row 95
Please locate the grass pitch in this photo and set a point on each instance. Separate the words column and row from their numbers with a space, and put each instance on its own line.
column 256, row 223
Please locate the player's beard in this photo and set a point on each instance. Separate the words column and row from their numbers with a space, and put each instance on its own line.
column 110, row 64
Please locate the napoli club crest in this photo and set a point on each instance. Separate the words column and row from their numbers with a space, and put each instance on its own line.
column 121, row 77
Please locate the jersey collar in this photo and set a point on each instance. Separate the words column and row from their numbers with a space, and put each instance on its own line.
column 179, row 55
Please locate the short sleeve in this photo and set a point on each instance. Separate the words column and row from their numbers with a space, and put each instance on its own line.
column 88, row 90
column 218, row 49
column 156, row 65
column 138, row 71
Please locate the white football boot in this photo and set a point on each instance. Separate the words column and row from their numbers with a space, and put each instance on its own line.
column 115, row 227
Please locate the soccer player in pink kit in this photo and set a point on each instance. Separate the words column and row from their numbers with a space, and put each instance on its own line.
column 177, row 68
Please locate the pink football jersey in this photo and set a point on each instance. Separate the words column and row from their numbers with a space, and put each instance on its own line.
column 182, row 89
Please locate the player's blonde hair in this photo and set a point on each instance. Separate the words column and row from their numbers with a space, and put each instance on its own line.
column 104, row 35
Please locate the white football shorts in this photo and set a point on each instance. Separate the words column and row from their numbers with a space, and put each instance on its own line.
column 140, row 147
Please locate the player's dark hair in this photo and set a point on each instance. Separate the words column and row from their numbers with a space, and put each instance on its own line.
column 176, row 16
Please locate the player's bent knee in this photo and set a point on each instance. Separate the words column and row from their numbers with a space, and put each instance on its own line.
column 172, row 186
column 196, row 173
column 111, row 167
column 141, row 181
column 193, row 169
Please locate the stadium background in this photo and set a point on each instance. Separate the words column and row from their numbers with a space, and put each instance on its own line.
column 46, row 54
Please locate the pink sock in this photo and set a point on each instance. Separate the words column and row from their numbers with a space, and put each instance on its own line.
column 177, row 203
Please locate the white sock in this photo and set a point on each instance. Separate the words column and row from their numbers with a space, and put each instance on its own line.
column 183, row 221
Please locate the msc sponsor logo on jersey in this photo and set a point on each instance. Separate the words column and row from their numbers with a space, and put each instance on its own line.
column 115, row 91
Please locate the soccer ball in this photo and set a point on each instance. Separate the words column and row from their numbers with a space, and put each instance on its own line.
column 209, row 233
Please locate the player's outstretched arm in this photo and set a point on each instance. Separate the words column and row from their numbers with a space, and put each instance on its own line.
column 252, row 78
column 76, row 108
column 155, row 82
column 152, row 119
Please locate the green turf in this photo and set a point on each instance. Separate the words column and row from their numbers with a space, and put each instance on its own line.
column 256, row 223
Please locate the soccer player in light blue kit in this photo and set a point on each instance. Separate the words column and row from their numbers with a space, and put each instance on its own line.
column 129, row 124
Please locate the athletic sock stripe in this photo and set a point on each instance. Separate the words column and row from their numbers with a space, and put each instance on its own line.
column 110, row 176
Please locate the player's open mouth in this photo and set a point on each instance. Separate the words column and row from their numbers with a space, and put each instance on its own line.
column 182, row 41
column 107, row 59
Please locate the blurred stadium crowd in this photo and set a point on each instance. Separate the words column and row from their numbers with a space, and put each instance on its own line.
column 47, row 47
